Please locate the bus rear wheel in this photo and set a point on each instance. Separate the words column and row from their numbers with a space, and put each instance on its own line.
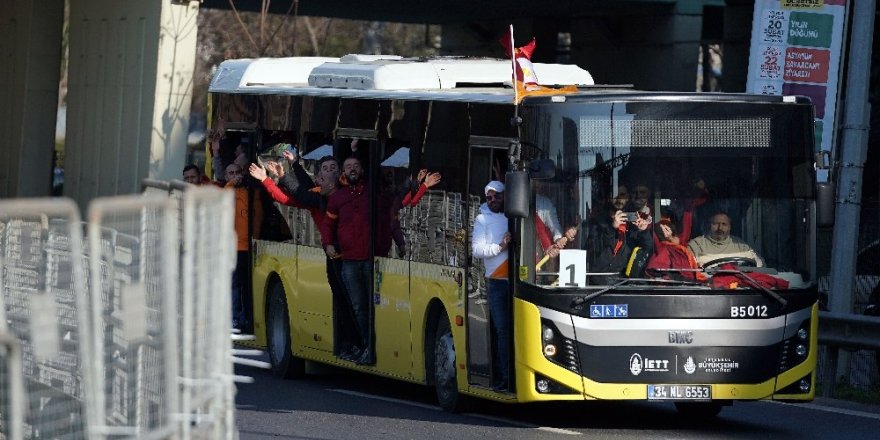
column 445, row 374
column 699, row 410
column 278, row 337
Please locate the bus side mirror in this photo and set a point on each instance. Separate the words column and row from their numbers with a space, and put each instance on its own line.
column 516, row 194
column 824, row 204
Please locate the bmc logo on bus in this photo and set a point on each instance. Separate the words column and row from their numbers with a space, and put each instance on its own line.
column 681, row 337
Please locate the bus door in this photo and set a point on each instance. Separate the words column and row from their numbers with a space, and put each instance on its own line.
column 391, row 272
column 239, row 144
column 312, row 324
column 387, row 290
column 488, row 157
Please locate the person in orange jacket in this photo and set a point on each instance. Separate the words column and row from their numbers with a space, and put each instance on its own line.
column 245, row 227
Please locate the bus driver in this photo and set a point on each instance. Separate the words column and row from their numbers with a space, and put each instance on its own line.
column 718, row 243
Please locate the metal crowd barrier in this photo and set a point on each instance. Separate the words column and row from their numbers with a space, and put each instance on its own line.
column 207, row 253
column 207, row 249
column 12, row 403
column 44, row 306
column 96, row 332
column 135, row 320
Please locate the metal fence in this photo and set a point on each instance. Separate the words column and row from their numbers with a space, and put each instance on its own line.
column 133, row 247
column 207, row 390
column 207, row 249
column 46, row 310
column 856, row 366
column 107, row 338
column 12, row 401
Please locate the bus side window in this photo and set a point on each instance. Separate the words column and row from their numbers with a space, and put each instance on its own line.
column 400, row 188
column 440, row 219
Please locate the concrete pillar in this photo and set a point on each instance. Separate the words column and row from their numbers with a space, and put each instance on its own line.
column 129, row 94
column 30, row 59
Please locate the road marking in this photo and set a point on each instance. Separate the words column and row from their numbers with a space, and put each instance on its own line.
column 435, row 408
column 524, row 425
column 558, row 430
column 831, row 409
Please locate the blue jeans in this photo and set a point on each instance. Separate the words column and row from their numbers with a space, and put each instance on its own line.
column 344, row 329
column 356, row 275
column 242, row 302
column 499, row 315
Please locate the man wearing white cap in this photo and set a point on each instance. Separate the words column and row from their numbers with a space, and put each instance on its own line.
column 489, row 243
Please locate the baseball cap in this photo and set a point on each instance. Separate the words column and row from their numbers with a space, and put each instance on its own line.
column 494, row 186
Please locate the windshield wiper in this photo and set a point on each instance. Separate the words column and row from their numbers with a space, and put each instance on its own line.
column 773, row 295
column 580, row 301
column 577, row 302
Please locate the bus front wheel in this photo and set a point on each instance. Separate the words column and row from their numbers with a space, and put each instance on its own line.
column 445, row 375
column 284, row 363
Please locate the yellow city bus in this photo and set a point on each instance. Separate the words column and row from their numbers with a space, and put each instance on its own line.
column 740, row 327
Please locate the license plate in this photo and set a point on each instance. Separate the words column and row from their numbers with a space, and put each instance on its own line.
column 679, row 392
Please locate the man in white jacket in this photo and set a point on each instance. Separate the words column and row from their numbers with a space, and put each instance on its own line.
column 489, row 243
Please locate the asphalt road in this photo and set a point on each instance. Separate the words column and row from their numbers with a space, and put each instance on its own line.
column 340, row 404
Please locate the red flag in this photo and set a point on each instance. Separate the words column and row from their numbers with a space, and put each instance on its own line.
column 525, row 82
column 521, row 57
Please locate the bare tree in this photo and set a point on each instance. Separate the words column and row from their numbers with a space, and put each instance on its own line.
column 266, row 38
column 233, row 33
column 313, row 35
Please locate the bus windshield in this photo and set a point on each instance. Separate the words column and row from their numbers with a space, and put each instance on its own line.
column 671, row 193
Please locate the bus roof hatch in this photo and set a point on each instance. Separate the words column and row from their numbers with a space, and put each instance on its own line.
column 394, row 73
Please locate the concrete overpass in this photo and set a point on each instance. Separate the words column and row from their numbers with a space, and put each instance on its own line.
column 650, row 43
column 131, row 68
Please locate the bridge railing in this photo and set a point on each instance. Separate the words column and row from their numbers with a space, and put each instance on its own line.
column 852, row 333
column 850, row 356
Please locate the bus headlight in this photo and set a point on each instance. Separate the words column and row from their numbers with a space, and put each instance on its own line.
column 557, row 348
column 547, row 333
column 542, row 385
column 804, row 385
column 796, row 348
column 545, row 385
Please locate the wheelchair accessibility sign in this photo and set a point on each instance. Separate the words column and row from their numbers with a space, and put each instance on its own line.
column 609, row 310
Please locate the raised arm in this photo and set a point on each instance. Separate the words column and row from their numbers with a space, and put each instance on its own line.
column 259, row 173
column 430, row 179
